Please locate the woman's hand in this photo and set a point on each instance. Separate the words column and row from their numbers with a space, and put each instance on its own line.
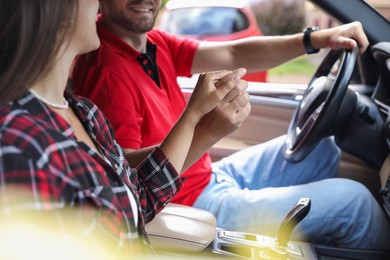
column 227, row 116
column 212, row 88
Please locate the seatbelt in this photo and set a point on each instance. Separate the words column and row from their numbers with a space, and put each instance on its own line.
column 385, row 184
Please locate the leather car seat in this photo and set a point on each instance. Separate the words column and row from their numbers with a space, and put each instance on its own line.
column 182, row 228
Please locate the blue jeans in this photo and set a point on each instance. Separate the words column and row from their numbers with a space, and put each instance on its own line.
column 253, row 189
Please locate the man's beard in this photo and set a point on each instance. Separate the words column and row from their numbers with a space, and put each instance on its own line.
column 132, row 26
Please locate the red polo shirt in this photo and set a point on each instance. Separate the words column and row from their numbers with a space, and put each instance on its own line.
column 141, row 112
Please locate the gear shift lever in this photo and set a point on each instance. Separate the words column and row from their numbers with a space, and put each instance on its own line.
column 298, row 212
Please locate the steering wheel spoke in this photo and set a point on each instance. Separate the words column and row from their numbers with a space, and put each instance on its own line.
column 301, row 130
column 318, row 108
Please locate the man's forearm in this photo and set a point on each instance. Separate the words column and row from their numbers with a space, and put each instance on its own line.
column 265, row 52
column 254, row 54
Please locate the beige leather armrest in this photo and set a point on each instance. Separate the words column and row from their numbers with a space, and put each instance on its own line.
column 182, row 228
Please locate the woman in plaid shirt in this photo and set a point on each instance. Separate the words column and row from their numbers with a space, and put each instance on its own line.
column 59, row 150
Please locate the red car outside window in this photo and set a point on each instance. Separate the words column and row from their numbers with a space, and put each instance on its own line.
column 211, row 20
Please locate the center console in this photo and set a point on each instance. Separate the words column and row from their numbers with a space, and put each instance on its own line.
column 239, row 245
column 256, row 246
column 180, row 231
column 247, row 245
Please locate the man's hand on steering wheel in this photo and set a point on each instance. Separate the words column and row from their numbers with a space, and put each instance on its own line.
column 347, row 36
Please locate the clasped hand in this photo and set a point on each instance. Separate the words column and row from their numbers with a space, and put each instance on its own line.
column 221, row 99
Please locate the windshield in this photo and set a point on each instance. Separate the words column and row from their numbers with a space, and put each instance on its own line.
column 202, row 21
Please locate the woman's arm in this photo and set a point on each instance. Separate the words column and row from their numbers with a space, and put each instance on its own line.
column 210, row 90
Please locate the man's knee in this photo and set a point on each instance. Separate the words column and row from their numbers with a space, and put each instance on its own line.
column 354, row 192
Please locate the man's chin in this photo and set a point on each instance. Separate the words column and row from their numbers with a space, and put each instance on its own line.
column 140, row 26
column 139, row 29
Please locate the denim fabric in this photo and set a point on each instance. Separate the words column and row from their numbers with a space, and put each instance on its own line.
column 253, row 189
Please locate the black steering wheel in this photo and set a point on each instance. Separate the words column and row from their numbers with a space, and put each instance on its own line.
column 320, row 104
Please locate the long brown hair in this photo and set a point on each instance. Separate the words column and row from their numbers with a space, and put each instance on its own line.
column 31, row 33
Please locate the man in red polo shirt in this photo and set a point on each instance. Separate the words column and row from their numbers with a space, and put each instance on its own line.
column 132, row 78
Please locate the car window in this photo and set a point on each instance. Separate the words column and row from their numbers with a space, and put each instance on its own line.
column 203, row 21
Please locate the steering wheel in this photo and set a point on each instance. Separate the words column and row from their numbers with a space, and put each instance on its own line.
column 318, row 108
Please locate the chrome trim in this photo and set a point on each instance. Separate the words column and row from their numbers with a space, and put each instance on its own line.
column 383, row 108
column 270, row 94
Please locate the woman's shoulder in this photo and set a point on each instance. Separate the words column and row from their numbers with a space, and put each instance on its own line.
column 15, row 119
column 25, row 133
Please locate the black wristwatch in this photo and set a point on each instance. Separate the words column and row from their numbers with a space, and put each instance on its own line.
column 306, row 40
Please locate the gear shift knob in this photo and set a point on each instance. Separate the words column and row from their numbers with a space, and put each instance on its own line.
column 298, row 212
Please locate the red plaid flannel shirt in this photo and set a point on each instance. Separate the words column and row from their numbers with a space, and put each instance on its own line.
column 39, row 154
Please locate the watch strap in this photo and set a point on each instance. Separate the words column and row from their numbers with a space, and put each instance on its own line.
column 307, row 41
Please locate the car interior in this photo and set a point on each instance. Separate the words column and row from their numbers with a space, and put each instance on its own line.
column 348, row 97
